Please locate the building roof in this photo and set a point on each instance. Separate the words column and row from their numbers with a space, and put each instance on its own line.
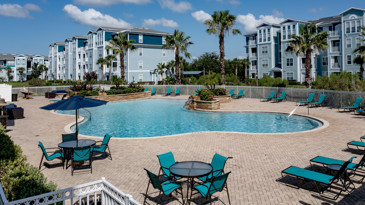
column 327, row 20
column 251, row 34
column 57, row 43
column 7, row 56
column 351, row 9
column 292, row 20
column 198, row 72
column 148, row 31
column 114, row 29
column 268, row 24
column 80, row 37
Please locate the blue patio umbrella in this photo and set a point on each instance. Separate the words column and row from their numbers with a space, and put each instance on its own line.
column 74, row 103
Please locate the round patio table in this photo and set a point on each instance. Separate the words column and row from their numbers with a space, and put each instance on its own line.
column 191, row 170
column 69, row 145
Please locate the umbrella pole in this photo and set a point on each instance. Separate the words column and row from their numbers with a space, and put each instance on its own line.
column 77, row 129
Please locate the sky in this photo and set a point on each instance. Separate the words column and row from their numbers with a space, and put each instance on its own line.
column 29, row 26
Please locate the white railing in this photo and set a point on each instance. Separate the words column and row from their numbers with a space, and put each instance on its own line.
column 253, row 55
column 334, row 33
column 252, row 42
column 335, row 49
column 96, row 192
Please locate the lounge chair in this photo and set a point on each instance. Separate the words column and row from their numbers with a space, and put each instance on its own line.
column 360, row 111
column 357, row 144
column 231, row 92
column 319, row 103
column 167, row 187
column 50, row 157
column 362, row 138
column 197, row 91
column 218, row 163
column 272, row 95
column 352, row 108
column 166, row 161
column 103, row 146
column 79, row 155
column 168, row 92
column 240, row 94
column 153, row 92
column 145, row 89
column 320, row 178
column 281, row 98
column 177, row 92
column 217, row 184
column 309, row 100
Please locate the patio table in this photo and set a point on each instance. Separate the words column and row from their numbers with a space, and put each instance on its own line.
column 191, row 170
column 69, row 145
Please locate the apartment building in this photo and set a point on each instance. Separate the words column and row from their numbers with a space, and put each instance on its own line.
column 79, row 54
column 266, row 48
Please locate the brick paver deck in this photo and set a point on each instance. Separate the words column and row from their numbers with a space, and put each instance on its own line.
column 258, row 159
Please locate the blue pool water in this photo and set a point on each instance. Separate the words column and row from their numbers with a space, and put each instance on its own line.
column 149, row 118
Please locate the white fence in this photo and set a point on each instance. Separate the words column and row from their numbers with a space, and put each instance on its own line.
column 96, row 192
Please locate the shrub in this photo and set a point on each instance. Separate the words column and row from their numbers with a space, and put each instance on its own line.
column 84, row 93
column 219, row 91
column 36, row 82
column 49, row 83
column 206, row 95
column 124, row 90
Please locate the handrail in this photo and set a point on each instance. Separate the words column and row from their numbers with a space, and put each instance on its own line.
column 88, row 112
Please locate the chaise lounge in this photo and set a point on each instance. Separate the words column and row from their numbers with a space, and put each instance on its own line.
column 272, row 95
column 309, row 100
column 282, row 97
column 319, row 103
column 351, row 108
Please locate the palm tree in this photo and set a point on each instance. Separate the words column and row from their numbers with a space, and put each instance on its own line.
column 21, row 71
column 170, row 67
column 109, row 61
column 246, row 64
column 8, row 70
column 160, row 70
column 222, row 23
column 102, row 61
column 360, row 60
column 361, row 49
column 42, row 68
column 180, row 43
column 120, row 45
column 307, row 42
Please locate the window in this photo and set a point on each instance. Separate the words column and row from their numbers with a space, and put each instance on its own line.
column 348, row 43
column 353, row 26
column 358, row 43
column 264, row 49
column 349, row 60
column 347, row 27
column 79, row 55
column 115, row 66
column 140, row 38
column 268, row 35
column 163, row 52
column 294, row 31
column 140, row 51
column 83, row 56
column 289, row 32
column 290, row 76
column 163, row 40
column 265, row 63
column 260, row 37
column 289, row 61
column 264, row 35
column 140, row 77
column 324, row 61
column 358, row 26
column 140, row 64
column 284, row 33
column 79, row 67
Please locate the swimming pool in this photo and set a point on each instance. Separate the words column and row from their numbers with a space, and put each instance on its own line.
column 158, row 117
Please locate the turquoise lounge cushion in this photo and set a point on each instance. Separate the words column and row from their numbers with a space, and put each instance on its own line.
column 169, row 187
column 308, row 174
column 357, row 143
column 53, row 156
column 328, row 161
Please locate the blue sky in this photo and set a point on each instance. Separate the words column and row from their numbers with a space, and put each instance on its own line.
column 29, row 26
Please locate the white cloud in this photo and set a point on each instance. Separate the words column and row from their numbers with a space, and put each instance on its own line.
column 180, row 7
column 201, row 16
column 17, row 11
column 314, row 10
column 250, row 22
column 163, row 22
column 233, row 2
column 91, row 17
column 109, row 2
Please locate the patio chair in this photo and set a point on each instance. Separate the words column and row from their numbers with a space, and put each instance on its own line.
column 325, row 161
column 271, row 96
column 357, row 144
column 218, row 163
column 166, row 161
column 352, row 108
column 320, row 178
column 145, row 89
column 69, row 137
column 281, row 98
column 362, row 138
column 63, row 97
column 319, row 103
column 217, row 184
column 309, row 100
column 104, row 145
column 231, row 92
column 168, row 92
column 177, row 92
column 79, row 155
column 240, row 94
column 153, row 92
column 360, row 111
column 167, row 187
column 50, row 157
column 197, row 91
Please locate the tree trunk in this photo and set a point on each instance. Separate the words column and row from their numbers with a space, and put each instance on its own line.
column 110, row 73
column 177, row 66
column 102, row 72
column 121, row 56
column 236, row 70
column 245, row 72
column 308, row 68
column 361, row 72
column 221, row 57
column 21, row 76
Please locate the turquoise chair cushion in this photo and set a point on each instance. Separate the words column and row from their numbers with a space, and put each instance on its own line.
column 218, row 163
column 168, row 187
column 308, row 174
column 328, row 161
column 103, row 145
column 357, row 143
column 166, row 161
column 203, row 188
column 216, row 185
column 55, row 155
column 81, row 154
column 231, row 92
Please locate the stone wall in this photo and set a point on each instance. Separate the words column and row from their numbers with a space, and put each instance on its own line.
column 122, row 97
column 206, row 105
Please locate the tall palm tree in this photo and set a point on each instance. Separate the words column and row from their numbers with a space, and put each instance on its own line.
column 361, row 49
column 222, row 23
column 307, row 42
column 102, row 61
column 9, row 70
column 120, row 45
column 360, row 60
column 109, row 61
column 180, row 43
column 160, row 69
column 246, row 64
column 170, row 67
column 21, row 71
column 42, row 69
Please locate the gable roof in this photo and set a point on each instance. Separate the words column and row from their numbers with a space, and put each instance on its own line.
column 326, row 20
column 268, row 24
column 292, row 20
column 351, row 9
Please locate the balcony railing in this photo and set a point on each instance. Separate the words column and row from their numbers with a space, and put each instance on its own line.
column 335, row 49
column 253, row 67
column 96, row 192
column 252, row 42
column 254, row 55
column 334, row 33
column 335, row 65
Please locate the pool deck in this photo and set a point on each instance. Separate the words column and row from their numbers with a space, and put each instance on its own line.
column 258, row 159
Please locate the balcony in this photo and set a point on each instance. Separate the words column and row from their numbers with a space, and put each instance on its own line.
column 335, row 49
column 254, row 67
column 335, row 65
column 253, row 55
column 252, row 42
column 334, row 33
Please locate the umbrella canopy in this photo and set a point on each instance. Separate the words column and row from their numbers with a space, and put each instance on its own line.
column 74, row 103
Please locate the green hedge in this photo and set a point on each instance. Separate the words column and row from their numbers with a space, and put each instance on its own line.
column 124, row 90
column 18, row 178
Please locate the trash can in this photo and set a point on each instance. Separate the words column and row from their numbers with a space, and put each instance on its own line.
column 4, row 120
column 14, row 97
